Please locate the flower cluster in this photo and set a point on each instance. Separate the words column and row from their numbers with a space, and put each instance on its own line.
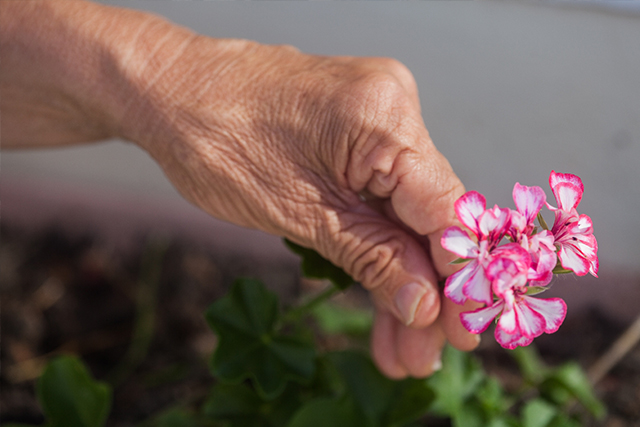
column 510, row 259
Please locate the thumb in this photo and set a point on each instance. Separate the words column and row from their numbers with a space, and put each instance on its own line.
column 388, row 262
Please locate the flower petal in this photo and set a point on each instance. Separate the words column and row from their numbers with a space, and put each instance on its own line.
column 508, row 322
column 457, row 240
column 567, row 195
column 557, row 178
column 530, row 323
column 528, row 200
column 479, row 320
column 572, row 259
column 552, row 310
column 593, row 268
column 583, row 225
column 478, row 287
column 469, row 207
column 511, row 341
column 454, row 284
column 543, row 257
column 494, row 223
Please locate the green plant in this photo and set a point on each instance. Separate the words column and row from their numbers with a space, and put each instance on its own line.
column 270, row 372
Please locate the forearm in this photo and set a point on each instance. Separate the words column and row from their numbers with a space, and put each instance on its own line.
column 73, row 70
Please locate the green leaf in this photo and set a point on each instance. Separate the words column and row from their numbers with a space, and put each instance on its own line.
column 535, row 290
column 491, row 397
column 249, row 344
column 560, row 270
column 538, row 413
column 174, row 417
column 459, row 261
column 70, row 397
column 383, row 402
column 411, row 401
column 457, row 381
column 327, row 411
column 242, row 406
column 316, row 267
column 563, row 420
column 573, row 379
column 469, row 415
column 333, row 319
column 531, row 365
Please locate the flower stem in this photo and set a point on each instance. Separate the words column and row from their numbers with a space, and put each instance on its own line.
column 297, row 312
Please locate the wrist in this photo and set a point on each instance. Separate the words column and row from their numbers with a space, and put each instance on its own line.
column 62, row 79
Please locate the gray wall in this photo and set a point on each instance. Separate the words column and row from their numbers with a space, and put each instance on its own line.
column 509, row 92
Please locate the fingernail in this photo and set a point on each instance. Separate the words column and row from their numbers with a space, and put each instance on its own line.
column 477, row 337
column 437, row 365
column 407, row 300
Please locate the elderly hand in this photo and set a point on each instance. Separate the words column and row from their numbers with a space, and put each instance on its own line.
column 330, row 152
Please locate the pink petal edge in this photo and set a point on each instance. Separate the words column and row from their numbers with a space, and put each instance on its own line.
column 469, row 207
column 478, row 321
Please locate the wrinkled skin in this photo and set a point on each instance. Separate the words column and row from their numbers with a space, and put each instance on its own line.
column 330, row 152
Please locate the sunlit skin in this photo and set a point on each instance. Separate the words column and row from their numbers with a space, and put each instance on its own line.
column 330, row 152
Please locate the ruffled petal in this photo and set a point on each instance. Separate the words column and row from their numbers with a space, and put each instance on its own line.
column 552, row 310
column 586, row 245
column 508, row 322
column 454, row 284
column 557, row 178
column 572, row 259
column 478, row 287
column 457, row 240
column 543, row 257
column 530, row 323
column 479, row 320
column 583, row 225
column 528, row 200
column 469, row 207
column 567, row 195
column 509, row 268
column 511, row 341
column 494, row 223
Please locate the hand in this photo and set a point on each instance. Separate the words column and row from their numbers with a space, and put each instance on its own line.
column 330, row 152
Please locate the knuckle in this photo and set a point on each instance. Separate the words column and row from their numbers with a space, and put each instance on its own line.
column 400, row 72
column 374, row 264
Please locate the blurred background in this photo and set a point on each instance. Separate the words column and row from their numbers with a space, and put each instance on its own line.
column 96, row 242
column 509, row 91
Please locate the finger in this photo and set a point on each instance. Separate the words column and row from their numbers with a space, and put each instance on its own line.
column 388, row 262
column 383, row 345
column 405, row 166
column 420, row 350
column 456, row 334
column 424, row 200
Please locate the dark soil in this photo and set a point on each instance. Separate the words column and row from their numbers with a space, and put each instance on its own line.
column 63, row 294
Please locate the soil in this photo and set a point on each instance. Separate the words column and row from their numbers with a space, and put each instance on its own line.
column 76, row 294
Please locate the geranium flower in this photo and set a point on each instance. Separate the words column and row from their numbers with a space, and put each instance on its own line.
column 489, row 226
column 522, row 317
column 529, row 201
column 577, row 246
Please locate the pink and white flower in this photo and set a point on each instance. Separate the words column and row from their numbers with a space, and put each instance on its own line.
column 488, row 226
column 529, row 201
column 577, row 246
column 522, row 317
column 502, row 277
